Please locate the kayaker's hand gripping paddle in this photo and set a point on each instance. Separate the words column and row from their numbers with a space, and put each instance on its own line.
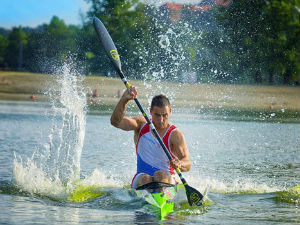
column 194, row 197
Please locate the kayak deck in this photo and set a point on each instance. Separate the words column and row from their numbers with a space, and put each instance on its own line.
column 162, row 203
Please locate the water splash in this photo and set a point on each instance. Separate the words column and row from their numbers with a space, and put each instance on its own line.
column 52, row 168
column 169, row 57
column 99, row 178
column 64, row 149
column 235, row 186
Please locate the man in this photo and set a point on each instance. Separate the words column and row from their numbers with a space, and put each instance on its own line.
column 152, row 162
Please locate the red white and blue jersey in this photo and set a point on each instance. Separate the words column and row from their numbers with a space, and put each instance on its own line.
column 150, row 155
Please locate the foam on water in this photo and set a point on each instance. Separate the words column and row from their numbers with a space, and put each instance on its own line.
column 30, row 178
column 51, row 170
column 236, row 186
column 100, row 179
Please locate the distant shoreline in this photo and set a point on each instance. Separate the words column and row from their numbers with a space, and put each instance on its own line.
column 224, row 101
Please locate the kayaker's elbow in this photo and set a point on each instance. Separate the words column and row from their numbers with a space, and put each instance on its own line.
column 187, row 167
column 114, row 123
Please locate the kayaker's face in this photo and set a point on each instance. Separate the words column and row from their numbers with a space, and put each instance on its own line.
column 160, row 116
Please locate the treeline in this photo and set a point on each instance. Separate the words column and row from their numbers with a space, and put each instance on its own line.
column 256, row 42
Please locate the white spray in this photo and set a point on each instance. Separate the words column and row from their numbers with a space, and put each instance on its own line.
column 52, row 169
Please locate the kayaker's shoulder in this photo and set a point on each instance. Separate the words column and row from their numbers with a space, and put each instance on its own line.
column 140, row 120
column 176, row 133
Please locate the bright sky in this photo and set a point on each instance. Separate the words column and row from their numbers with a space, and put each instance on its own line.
column 35, row 12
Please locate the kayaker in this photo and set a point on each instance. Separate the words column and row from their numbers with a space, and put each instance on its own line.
column 152, row 162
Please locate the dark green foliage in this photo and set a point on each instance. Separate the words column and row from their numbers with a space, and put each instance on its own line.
column 254, row 41
column 13, row 52
column 264, row 38
column 3, row 46
column 129, row 27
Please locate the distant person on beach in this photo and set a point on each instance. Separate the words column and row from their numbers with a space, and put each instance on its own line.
column 95, row 93
column 94, row 96
column 32, row 97
column 152, row 162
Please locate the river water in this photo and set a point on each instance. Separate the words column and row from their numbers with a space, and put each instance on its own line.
column 248, row 168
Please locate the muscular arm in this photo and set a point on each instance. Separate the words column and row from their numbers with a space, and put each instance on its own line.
column 180, row 150
column 118, row 118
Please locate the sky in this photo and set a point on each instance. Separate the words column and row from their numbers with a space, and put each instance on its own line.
column 32, row 13
column 36, row 12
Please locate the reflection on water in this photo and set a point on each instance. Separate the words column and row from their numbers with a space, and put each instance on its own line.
column 145, row 218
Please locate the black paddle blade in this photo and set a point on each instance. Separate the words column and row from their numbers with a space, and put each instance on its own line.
column 194, row 197
column 107, row 43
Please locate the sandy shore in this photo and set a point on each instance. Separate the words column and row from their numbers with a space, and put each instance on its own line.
column 241, row 98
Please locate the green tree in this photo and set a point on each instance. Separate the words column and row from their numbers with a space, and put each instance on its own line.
column 50, row 45
column 284, row 37
column 3, row 46
column 264, row 36
column 243, row 25
column 59, row 39
column 217, row 61
column 129, row 27
column 17, row 40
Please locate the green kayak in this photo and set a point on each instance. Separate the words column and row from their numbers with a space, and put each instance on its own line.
column 162, row 202
column 158, row 195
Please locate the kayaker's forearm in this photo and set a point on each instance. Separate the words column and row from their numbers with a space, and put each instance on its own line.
column 119, row 112
column 185, row 165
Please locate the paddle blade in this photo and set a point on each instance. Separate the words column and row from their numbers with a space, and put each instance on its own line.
column 108, row 44
column 194, row 197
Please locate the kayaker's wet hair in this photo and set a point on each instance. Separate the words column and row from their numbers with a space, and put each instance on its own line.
column 160, row 101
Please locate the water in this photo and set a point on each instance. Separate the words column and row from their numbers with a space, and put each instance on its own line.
column 248, row 167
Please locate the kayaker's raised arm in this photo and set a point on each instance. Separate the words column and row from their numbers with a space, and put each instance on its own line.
column 118, row 118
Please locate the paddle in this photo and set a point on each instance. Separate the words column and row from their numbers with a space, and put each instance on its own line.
column 193, row 196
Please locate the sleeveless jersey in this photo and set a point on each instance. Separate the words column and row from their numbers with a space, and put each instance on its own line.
column 150, row 155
